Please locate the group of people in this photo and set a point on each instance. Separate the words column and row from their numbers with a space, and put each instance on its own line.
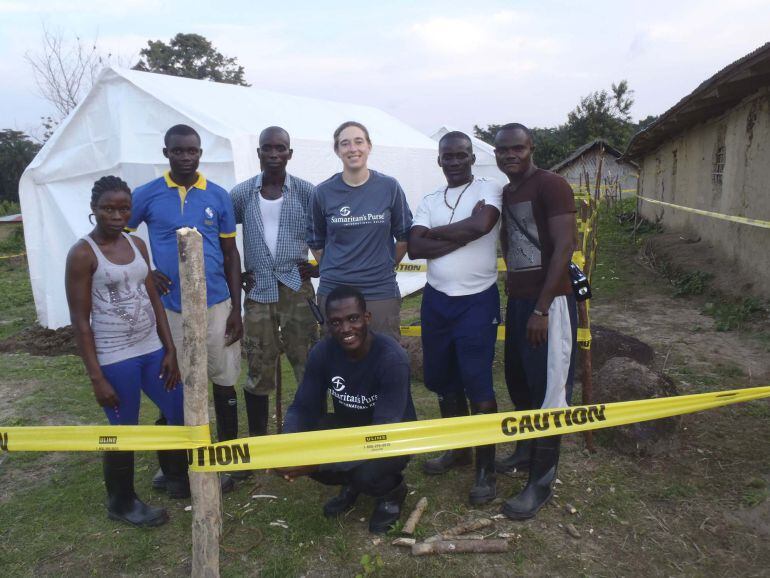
column 358, row 226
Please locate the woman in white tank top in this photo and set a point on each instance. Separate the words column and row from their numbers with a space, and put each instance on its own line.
column 124, row 340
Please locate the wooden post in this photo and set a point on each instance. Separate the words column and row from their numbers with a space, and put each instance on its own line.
column 206, row 494
column 278, row 396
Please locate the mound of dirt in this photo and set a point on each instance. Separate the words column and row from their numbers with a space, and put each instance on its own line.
column 607, row 343
column 38, row 340
column 623, row 379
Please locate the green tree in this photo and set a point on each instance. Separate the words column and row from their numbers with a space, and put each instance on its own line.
column 190, row 56
column 602, row 114
column 552, row 144
column 16, row 152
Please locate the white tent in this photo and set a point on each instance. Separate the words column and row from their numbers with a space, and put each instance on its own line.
column 118, row 129
column 486, row 165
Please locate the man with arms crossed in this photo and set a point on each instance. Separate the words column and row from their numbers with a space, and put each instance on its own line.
column 456, row 229
column 538, row 236
column 183, row 197
column 273, row 206
column 367, row 375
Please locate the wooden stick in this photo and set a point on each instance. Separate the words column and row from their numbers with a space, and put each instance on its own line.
column 463, row 528
column 204, row 487
column 460, row 547
column 404, row 542
column 414, row 517
column 278, row 396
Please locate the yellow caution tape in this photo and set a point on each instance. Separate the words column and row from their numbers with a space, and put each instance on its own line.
column 349, row 444
column 731, row 218
column 12, row 256
column 583, row 333
column 86, row 438
column 381, row 441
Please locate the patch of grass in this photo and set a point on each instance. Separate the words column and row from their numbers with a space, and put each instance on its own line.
column 730, row 315
column 755, row 492
column 18, row 310
column 13, row 243
column 692, row 283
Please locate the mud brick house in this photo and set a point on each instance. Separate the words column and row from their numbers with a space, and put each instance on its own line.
column 711, row 152
column 621, row 174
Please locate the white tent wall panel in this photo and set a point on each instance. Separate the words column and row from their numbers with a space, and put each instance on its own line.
column 118, row 129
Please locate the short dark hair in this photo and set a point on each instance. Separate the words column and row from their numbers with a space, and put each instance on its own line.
column 455, row 134
column 348, row 124
column 345, row 292
column 180, row 130
column 105, row 184
column 517, row 126
column 277, row 129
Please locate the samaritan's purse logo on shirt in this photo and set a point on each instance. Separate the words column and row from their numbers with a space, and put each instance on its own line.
column 338, row 383
column 209, row 212
column 346, row 218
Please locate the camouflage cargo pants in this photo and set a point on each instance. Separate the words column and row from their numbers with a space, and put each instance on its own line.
column 287, row 326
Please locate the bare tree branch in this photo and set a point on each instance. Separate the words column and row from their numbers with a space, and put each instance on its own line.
column 64, row 70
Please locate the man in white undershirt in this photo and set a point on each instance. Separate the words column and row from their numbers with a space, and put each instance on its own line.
column 272, row 207
column 456, row 229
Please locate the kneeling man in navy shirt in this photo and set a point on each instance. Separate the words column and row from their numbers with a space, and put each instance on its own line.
column 367, row 375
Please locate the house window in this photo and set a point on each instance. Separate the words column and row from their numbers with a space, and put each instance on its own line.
column 718, row 166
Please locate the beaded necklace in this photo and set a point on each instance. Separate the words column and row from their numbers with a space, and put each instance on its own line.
column 460, row 196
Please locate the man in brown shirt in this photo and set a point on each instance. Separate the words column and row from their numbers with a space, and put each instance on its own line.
column 537, row 239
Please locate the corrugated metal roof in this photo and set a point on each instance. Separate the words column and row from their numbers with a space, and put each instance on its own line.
column 712, row 97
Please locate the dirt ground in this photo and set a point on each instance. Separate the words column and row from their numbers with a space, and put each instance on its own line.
column 702, row 511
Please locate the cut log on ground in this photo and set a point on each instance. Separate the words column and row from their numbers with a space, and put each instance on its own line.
column 414, row 517
column 463, row 528
column 404, row 542
column 460, row 547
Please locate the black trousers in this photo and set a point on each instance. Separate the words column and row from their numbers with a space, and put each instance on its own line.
column 370, row 477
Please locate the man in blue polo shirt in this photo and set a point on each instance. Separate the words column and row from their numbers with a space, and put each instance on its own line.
column 183, row 197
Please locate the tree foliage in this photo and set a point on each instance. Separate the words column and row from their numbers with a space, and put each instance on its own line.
column 16, row 151
column 602, row 114
column 190, row 56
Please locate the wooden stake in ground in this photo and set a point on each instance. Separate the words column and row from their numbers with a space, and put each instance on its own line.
column 278, row 396
column 460, row 547
column 414, row 517
column 206, row 494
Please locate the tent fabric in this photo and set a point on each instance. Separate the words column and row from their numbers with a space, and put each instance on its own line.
column 118, row 129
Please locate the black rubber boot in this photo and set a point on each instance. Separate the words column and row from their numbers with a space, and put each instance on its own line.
column 450, row 406
column 122, row 503
column 539, row 488
column 341, row 503
column 518, row 461
column 257, row 410
column 484, row 488
column 226, row 410
column 387, row 509
column 173, row 464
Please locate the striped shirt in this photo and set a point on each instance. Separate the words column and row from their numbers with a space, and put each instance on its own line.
column 291, row 247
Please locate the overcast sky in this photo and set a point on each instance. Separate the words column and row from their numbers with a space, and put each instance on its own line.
column 429, row 63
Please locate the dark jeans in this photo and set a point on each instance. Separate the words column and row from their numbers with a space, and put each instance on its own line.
column 370, row 477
